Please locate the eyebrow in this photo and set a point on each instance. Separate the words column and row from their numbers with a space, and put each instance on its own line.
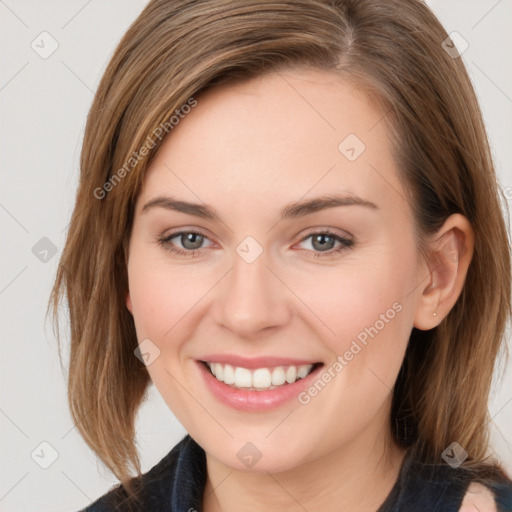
column 290, row 211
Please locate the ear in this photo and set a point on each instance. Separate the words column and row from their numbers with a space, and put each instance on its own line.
column 450, row 253
column 129, row 302
column 126, row 249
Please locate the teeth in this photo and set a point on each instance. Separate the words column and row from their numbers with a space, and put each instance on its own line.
column 278, row 376
column 229, row 374
column 243, row 378
column 291, row 374
column 218, row 371
column 303, row 371
column 261, row 378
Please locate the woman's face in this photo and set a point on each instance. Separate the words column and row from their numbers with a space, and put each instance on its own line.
column 275, row 281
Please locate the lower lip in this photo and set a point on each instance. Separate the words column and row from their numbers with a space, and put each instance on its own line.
column 246, row 400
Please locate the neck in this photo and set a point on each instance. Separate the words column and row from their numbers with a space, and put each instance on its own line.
column 356, row 477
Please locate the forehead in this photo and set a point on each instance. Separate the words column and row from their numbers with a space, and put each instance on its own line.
column 276, row 138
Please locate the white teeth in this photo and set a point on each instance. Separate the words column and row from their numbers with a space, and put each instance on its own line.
column 303, row 371
column 261, row 378
column 229, row 374
column 243, row 378
column 218, row 371
column 278, row 376
column 291, row 374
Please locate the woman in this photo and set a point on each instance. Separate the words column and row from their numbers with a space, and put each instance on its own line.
column 288, row 221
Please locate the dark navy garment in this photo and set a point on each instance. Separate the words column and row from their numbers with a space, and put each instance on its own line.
column 177, row 483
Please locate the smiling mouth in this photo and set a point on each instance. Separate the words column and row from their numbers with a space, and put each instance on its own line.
column 259, row 379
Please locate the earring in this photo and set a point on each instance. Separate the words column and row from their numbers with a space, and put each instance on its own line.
column 435, row 314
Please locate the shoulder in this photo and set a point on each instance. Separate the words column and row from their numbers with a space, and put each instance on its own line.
column 429, row 486
column 154, row 489
column 478, row 497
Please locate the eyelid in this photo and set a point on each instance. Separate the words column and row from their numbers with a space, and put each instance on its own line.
column 184, row 230
column 326, row 230
column 164, row 241
column 311, row 231
column 345, row 243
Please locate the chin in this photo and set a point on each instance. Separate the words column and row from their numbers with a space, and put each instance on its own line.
column 257, row 456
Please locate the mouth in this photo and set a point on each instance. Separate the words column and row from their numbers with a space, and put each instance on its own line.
column 259, row 379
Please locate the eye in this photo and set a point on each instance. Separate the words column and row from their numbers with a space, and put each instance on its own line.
column 323, row 243
column 191, row 242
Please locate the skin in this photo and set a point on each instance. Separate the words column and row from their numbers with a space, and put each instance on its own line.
column 247, row 150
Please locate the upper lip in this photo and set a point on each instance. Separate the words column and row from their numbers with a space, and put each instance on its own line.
column 255, row 362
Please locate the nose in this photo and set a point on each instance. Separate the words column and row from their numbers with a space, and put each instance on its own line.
column 252, row 300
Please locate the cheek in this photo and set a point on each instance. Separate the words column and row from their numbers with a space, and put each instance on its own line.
column 359, row 293
column 368, row 302
column 370, row 311
column 162, row 299
column 165, row 304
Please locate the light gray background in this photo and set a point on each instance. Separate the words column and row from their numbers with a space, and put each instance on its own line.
column 44, row 103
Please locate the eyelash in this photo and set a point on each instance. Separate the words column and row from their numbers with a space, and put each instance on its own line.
column 345, row 244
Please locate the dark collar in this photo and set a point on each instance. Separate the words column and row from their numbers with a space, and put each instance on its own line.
column 177, row 482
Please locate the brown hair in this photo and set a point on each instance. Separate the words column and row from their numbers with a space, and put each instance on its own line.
column 175, row 50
